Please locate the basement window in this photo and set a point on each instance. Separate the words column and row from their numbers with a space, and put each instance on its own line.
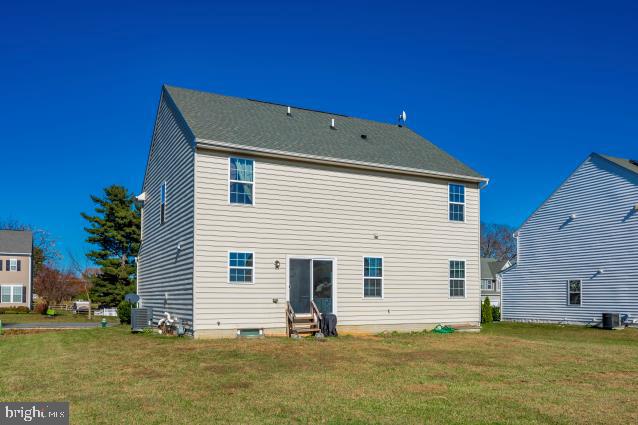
column 249, row 333
column 574, row 292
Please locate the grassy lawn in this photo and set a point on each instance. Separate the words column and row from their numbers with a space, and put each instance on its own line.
column 506, row 374
column 62, row 316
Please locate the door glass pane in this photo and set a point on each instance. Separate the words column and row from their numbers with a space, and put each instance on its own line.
column 322, row 285
column 299, row 278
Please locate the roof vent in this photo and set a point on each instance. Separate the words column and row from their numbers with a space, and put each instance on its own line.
column 364, row 136
column 289, row 112
column 332, row 124
column 402, row 119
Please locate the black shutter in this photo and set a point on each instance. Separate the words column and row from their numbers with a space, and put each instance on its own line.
column 24, row 294
column 0, row 265
column 19, row 265
column 8, row 266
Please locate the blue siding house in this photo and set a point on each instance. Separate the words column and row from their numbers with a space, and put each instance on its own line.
column 578, row 252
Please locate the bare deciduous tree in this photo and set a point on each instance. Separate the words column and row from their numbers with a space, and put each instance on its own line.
column 56, row 286
column 45, row 251
column 497, row 241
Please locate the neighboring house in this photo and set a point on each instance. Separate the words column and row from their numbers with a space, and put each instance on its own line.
column 578, row 253
column 491, row 269
column 16, row 248
column 249, row 206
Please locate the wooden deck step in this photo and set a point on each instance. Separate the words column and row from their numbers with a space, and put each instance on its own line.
column 305, row 330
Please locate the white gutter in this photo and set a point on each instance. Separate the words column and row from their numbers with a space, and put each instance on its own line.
column 274, row 153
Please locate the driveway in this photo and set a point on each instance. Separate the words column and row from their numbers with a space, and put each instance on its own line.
column 52, row 325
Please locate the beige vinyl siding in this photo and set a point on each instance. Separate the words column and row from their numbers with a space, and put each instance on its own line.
column 304, row 209
column 21, row 278
column 162, row 268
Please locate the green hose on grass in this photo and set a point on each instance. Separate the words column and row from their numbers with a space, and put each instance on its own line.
column 438, row 329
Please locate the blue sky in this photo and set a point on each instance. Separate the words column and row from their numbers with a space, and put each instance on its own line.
column 522, row 93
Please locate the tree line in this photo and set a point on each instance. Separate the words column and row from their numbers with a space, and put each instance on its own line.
column 113, row 229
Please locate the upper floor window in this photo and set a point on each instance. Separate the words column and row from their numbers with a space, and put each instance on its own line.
column 163, row 203
column 240, row 267
column 241, row 181
column 13, row 265
column 487, row 284
column 372, row 277
column 456, row 193
column 457, row 278
column 574, row 292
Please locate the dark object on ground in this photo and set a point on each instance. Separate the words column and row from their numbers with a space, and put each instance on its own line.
column 611, row 320
column 328, row 324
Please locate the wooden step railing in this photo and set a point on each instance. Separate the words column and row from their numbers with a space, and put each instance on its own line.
column 302, row 324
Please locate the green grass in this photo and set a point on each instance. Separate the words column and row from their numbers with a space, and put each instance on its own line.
column 509, row 373
column 61, row 316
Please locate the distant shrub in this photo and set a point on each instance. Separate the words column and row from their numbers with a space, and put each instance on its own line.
column 496, row 313
column 41, row 307
column 486, row 311
column 14, row 310
column 124, row 312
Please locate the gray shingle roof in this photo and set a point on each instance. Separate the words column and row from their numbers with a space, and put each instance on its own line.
column 267, row 127
column 16, row 241
column 628, row 164
column 490, row 267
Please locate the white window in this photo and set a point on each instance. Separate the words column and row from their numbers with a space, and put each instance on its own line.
column 487, row 284
column 456, row 194
column 574, row 290
column 372, row 277
column 240, row 267
column 163, row 203
column 457, row 278
column 13, row 265
column 241, row 183
column 11, row 294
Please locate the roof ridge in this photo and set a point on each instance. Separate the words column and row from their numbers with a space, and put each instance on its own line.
column 300, row 108
column 261, row 126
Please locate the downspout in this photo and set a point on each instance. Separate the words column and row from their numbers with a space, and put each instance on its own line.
column 481, row 186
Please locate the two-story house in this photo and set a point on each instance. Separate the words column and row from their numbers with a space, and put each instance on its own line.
column 491, row 279
column 578, row 252
column 16, row 248
column 253, row 211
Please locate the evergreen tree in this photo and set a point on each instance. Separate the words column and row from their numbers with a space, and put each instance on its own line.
column 115, row 231
column 486, row 311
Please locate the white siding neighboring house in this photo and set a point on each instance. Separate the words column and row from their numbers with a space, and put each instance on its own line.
column 578, row 253
column 265, row 204
column 491, row 279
